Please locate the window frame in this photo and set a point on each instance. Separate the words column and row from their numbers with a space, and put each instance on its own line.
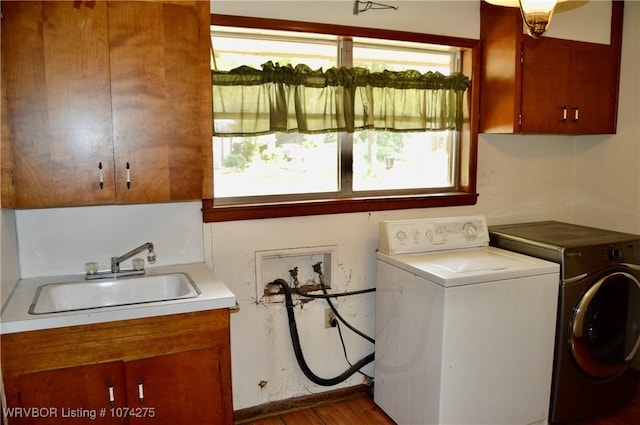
column 467, row 167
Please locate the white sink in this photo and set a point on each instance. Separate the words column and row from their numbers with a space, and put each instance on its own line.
column 84, row 295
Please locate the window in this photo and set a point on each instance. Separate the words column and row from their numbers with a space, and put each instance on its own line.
column 286, row 164
column 262, row 173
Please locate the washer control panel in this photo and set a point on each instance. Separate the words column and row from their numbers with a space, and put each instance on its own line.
column 432, row 234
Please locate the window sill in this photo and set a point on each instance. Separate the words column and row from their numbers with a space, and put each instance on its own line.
column 212, row 213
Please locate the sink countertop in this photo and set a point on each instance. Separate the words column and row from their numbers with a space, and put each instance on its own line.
column 15, row 315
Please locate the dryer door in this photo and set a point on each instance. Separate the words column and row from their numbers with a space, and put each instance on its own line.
column 604, row 332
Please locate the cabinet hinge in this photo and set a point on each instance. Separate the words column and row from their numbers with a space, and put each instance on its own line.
column 521, row 56
column 520, row 120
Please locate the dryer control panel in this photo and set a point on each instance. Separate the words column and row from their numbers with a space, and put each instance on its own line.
column 432, row 234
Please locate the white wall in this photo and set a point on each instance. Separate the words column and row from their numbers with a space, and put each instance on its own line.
column 607, row 179
column 431, row 16
column 590, row 22
column 9, row 268
column 58, row 241
column 519, row 178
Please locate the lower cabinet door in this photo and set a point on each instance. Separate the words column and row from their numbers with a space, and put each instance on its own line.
column 182, row 388
column 75, row 396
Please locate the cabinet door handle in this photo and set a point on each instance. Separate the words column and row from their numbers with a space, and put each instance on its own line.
column 140, row 391
column 576, row 114
column 100, row 176
column 112, row 398
column 128, row 176
column 564, row 113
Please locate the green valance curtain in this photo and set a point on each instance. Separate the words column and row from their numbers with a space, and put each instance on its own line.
column 248, row 101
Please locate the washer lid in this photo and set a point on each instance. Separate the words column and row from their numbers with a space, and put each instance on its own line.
column 471, row 265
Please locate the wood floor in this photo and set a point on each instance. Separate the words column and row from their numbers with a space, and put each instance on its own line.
column 362, row 411
column 352, row 411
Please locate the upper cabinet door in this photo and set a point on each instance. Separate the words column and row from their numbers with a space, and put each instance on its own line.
column 593, row 84
column 55, row 70
column 159, row 75
column 545, row 93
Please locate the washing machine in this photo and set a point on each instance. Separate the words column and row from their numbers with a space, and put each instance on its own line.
column 464, row 331
column 598, row 324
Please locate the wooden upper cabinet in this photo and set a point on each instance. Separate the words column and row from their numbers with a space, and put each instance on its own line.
column 593, row 83
column 55, row 64
column 156, row 87
column 105, row 102
column 546, row 85
column 545, row 97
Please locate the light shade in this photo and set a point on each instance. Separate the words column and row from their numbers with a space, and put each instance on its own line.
column 536, row 14
column 516, row 3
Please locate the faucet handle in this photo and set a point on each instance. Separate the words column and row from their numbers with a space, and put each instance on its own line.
column 91, row 267
column 138, row 263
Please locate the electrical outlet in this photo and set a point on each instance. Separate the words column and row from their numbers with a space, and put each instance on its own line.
column 330, row 320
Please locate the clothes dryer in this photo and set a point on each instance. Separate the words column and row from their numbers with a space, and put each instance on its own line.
column 464, row 331
column 598, row 324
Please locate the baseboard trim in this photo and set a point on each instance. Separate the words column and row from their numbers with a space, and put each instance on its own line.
column 298, row 403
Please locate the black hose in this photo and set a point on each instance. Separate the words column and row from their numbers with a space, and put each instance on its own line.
column 338, row 316
column 295, row 339
column 336, row 295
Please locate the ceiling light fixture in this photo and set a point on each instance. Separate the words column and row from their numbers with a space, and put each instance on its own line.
column 536, row 14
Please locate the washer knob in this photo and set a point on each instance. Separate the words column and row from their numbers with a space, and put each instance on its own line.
column 614, row 253
column 470, row 231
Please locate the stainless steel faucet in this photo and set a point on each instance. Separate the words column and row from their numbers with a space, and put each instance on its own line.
column 151, row 257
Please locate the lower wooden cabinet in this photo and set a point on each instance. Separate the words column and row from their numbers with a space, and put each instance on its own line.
column 176, row 388
column 79, row 394
column 143, row 372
